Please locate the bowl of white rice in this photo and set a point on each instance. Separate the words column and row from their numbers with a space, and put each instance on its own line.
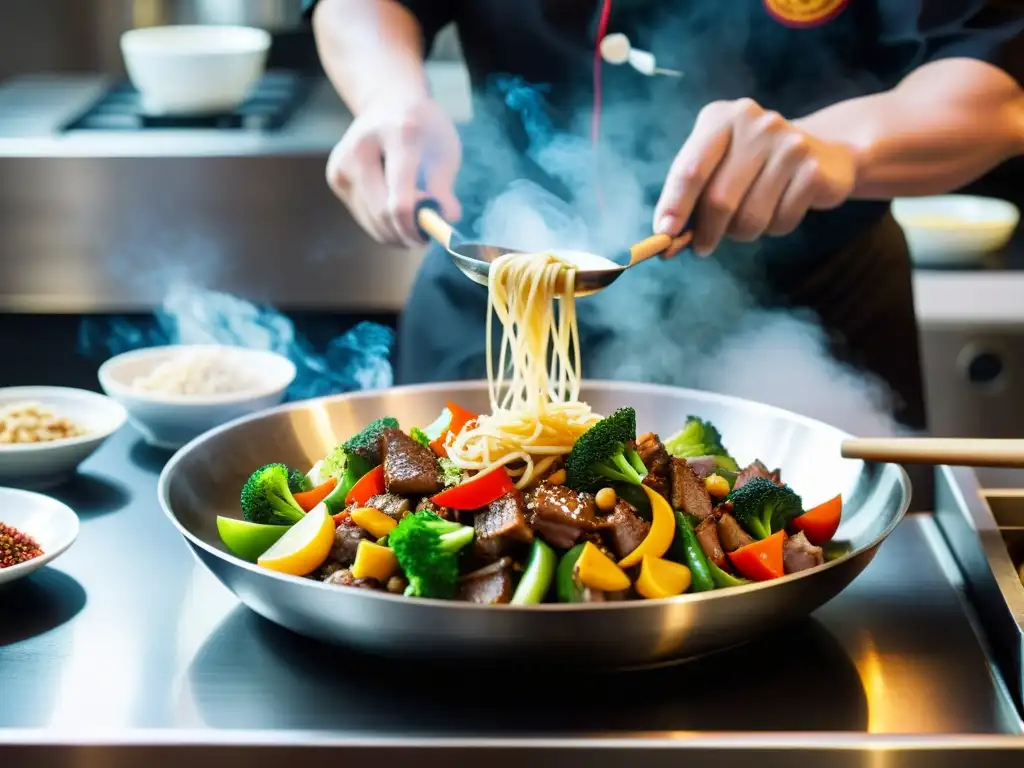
column 175, row 393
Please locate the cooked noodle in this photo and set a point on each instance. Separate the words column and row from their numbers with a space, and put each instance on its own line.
column 534, row 383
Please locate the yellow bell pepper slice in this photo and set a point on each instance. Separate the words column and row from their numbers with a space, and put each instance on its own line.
column 597, row 571
column 373, row 521
column 374, row 562
column 659, row 538
column 662, row 578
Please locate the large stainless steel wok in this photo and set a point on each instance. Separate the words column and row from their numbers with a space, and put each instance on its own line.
column 204, row 479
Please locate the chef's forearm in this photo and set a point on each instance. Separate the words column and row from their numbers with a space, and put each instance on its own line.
column 944, row 125
column 370, row 49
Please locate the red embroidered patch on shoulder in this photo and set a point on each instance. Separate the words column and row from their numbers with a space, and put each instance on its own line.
column 804, row 13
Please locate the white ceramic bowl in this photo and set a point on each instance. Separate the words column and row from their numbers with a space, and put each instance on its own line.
column 53, row 526
column 40, row 465
column 950, row 230
column 194, row 69
column 169, row 421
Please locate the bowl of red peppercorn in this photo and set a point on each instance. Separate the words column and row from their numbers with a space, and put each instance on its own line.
column 34, row 530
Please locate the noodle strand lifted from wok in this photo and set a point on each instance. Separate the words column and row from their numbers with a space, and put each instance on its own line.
column 534, row 380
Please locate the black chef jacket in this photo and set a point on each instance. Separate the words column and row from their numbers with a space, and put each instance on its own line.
column 531, row 63
column 532, row 66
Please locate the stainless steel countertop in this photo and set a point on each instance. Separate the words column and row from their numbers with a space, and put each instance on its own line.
column 127, row 641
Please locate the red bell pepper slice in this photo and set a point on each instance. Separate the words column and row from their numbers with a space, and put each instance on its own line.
column 437, row 445
column 821, row 523
column 309, row 499
column 460, row 417
column 761, row 560
column 369, row 485
column 477, row 492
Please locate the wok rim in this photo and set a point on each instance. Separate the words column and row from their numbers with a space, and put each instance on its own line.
column 636, row 388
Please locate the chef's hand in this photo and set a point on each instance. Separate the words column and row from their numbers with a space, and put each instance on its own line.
column 375, row 167
column 745, row 172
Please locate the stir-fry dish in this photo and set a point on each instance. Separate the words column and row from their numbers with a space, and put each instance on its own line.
column 539, row 500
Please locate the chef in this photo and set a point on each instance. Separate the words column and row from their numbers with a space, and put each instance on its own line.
column 777, row 131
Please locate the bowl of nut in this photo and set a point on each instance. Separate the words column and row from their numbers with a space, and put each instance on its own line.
column 47, row 432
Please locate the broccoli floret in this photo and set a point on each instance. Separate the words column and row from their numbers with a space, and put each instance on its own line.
column 700, row 438
column 450, row 473
column 365, row 444
column 427, row 548
column 333, row 464
column 762, row 507
column 420, row 436
column 266, row 498
column 298, row 482
column 601, row 454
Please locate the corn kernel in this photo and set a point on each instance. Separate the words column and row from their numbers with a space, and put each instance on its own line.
column 557, row 478
column 606, row 499
column 717, row 486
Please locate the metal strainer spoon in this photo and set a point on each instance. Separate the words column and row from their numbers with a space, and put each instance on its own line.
column 593, row 274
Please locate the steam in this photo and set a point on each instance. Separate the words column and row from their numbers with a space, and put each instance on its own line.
column 687, row 321
column 356, row 360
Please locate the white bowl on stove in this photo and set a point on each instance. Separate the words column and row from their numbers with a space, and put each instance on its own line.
column 194, row 69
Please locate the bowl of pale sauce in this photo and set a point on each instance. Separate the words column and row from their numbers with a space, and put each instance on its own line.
column 951, row 230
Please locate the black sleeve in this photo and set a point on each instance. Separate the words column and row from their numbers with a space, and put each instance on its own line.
column 433, row 15
column 915, row 32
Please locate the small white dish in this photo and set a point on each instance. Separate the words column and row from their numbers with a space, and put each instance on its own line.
column 51, row 524
column 194, row 68
column 169, row 421
column 41, row 465
column 954, row 230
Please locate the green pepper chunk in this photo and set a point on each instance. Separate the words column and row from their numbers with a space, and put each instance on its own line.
column 567, row 585
column 537, row 578
column 724, row 579
column 833, row 550
column 355, row 467
column 687, row 550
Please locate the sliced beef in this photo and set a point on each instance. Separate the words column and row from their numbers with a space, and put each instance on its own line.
column 500, row 525
column 707, row 535
column 346, row 540
column 410, row 469
column 344, row 578
column 626, row 529
column 731, row 534
column 659, row 464
column 688, row 491
column 757, row 469
column 392, row 505
column 703, row 466
column 798, row 554
column 488, row 586
column 426, row 505
column 561, row 515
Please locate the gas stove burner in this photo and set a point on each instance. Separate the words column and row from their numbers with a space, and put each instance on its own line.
column 271, row 104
